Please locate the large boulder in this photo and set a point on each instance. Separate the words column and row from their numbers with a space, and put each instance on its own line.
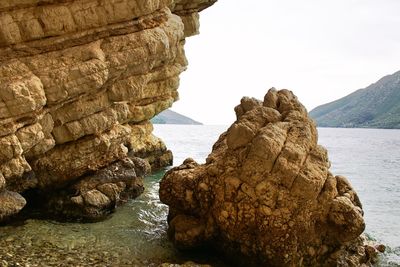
column 266, row 192
column 11, row 204
column 97, row 195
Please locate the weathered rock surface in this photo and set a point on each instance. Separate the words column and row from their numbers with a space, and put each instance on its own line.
column 96, row 196
column 11, row 204
column 186, row 264
column 80, row 80
column 266, row 191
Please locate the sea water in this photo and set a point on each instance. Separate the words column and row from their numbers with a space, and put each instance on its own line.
column 136, row 234
column 369, row 158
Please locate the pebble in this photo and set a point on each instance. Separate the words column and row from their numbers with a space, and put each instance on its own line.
column 20, row 252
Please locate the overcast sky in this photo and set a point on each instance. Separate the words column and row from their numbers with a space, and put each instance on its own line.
column 320, row 49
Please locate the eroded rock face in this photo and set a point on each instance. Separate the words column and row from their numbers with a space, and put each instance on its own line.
column 266, row 191
column 80, row 80
column 11, row 204
column 95, row 196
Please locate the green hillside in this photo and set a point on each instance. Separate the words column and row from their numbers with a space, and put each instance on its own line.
column 377, row 106
column 171, row 117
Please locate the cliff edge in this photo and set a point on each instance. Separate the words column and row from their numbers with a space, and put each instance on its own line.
column 79, row 82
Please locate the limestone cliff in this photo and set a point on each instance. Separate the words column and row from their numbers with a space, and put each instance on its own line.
column 266, row 192
column 79, row 82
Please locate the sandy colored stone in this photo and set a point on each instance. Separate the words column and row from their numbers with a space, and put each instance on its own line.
column 143, row 144
column 112, row 191
column 68, row 162
column 11, row 204
column 10, row 148
column 15, row 167
column 186, row 264
column 96, row 195
column 266, row 192
column 76, row 76
column 96, row 198
column 2, row 181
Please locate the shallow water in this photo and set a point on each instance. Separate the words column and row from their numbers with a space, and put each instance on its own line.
column 370, row 158
column 135, row 235
column 130, row 236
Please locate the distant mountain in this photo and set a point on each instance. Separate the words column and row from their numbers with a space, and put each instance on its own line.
column 377, row 106
column 171, row 117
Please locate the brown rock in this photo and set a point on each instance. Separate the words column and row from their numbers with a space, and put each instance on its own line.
column 381, row 248
column 359, row 252
column 96, row 199
column 11, row 204
column 2, row 182
column 97, row 195
column 266, row 192
column 80, row 81
column 186, row 264
column 143, row 144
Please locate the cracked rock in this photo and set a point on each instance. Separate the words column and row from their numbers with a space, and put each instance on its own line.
column 266, row 194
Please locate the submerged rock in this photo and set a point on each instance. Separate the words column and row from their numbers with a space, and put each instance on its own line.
column 266, row 192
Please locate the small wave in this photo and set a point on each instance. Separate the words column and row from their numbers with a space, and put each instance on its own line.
column 390, row 258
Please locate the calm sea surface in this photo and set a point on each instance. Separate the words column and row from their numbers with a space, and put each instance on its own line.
column 369, row 158
column 136, row 233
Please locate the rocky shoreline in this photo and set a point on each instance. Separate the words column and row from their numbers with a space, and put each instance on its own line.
column 266, row 194
column 80, row 81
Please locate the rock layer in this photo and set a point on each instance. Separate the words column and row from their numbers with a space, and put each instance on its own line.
column 266, row 191
column 11, row 203
column 95, row 196
column 80, row 80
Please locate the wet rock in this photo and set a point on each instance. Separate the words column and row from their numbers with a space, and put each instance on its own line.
column 11, row 204
column 381, row 248
column 149, row 147
column 359, row 252
column 97, row 195
column 96, row 199
column 266, row 193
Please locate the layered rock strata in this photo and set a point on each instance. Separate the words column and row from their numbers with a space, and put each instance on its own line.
column 79, row 82
column 96, row 195
column 266, row 192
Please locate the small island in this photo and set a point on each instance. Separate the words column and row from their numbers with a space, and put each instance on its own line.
column 171, row 117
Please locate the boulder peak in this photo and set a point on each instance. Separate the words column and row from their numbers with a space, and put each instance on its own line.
column 266, row 191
